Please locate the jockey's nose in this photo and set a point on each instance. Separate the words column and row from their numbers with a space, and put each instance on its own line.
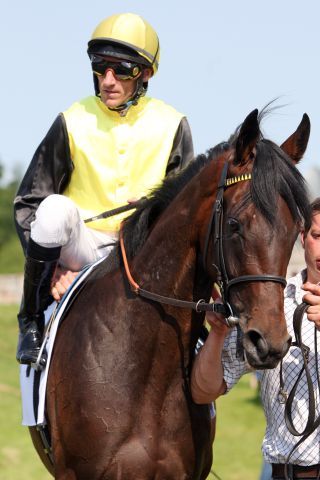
column 109, row 77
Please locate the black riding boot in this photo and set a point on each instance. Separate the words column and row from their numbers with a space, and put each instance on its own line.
column 36, row 297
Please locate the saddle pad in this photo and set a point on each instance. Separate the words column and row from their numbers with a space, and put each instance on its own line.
column 33, row 403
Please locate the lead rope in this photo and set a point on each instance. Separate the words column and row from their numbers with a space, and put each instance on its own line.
column 312, row 422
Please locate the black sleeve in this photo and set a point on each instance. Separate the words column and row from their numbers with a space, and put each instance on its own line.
column 182, row 149
column 49, row 172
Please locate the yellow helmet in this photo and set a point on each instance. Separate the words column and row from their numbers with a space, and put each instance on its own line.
column 127, row 36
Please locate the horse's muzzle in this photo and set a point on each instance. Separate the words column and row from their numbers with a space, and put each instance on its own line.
column 260, row 353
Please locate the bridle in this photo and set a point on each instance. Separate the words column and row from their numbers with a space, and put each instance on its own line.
column 218, row 262
column 216, row 223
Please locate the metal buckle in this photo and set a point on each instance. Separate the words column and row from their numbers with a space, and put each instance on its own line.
column 282, row 396
column 231, row 320
column 199, row 303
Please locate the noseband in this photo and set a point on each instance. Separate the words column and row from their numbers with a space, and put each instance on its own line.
column 218, row 263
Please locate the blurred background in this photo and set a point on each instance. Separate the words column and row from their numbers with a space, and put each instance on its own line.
column 219, row 61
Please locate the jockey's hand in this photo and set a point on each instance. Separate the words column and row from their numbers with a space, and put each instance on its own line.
column 133, row 200
column 61, row 282
column 313, row 298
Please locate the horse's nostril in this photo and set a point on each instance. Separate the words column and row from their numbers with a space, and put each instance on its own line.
column 259, row 342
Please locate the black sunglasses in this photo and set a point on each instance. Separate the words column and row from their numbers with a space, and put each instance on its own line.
column 123, row 70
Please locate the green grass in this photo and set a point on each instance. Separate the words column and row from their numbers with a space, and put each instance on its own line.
column 11, row 256
column 240, row 422
column 240, row 429
column 18, row 459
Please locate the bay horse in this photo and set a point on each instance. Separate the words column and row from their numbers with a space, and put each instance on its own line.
column 118, row 400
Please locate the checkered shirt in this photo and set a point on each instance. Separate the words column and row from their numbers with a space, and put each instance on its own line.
column 278, row 441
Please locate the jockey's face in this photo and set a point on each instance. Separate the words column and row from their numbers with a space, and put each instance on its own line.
column 115, row 91
column 311, row 244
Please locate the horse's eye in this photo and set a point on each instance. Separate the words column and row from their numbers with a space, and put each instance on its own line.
column 233, row 226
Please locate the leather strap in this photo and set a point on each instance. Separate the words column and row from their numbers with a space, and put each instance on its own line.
column 295, row 471
column 312, row 422
column 199, row 306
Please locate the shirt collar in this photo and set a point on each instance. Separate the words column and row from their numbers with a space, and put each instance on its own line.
column 294, row 285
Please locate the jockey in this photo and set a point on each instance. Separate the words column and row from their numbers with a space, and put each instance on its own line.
column 102, row 152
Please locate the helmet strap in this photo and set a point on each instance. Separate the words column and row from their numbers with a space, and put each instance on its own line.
column 140, row 91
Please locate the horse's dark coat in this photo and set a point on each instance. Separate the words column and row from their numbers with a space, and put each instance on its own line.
column 118, row 402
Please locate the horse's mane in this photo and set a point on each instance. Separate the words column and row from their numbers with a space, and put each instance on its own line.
column 273, row 174
column 136, row 226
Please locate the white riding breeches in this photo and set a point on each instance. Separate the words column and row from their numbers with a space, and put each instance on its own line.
column 58, row 224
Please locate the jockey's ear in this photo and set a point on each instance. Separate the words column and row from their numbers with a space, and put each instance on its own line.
column 247, row 139
column 296, row 144
column 147, row 74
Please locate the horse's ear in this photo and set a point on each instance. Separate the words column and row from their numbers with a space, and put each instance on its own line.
column 247, row 139
column 296, row 144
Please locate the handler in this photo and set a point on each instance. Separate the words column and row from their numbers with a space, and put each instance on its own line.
column 102, row 152
column 217, row 368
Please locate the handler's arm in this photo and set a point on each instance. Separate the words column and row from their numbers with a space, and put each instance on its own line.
column 207, row 382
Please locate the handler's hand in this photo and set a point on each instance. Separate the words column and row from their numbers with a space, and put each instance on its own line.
column 313, row 298
column 61, row 282
column 217, row 322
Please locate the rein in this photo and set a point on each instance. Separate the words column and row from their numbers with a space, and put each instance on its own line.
column 312, row 422
column 199, row 306
column 216, row 223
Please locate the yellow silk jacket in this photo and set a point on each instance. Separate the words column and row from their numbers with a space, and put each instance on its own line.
column 101, row 160
column 117, row 158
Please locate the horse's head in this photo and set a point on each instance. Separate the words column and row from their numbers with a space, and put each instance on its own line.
column 263, row 204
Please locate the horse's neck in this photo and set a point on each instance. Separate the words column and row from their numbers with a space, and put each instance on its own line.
column 167, row 260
